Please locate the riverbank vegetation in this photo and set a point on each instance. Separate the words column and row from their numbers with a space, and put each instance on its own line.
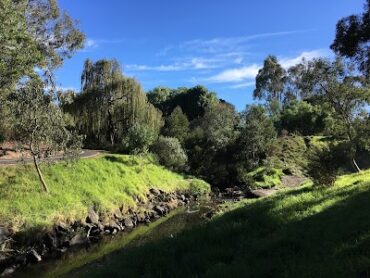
column 105, row 183
column 306, row 232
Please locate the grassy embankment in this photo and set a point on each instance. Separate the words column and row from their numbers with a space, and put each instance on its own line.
column 106, row 183
column 305, row 232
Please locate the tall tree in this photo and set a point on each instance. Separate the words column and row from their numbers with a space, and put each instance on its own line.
column 352, row 38
column 270, row 80
column 177, row 125
column 338, row 85
column 256, row 134
column 109, row 105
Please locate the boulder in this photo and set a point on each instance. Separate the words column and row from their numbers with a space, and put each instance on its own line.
column 127, row 221
column 155, row 191
column 92, row 217
column 78, row 239
column 161, row 210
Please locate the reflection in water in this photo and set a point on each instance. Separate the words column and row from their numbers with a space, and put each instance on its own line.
column 83, row 262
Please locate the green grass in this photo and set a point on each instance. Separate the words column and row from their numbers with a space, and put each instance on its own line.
column 264, row 177
column 106, row 182
column 305, row 232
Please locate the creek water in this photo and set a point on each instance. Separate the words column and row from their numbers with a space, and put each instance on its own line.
column 85, row 261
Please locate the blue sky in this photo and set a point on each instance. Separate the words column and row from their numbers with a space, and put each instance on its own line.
column 216, row 43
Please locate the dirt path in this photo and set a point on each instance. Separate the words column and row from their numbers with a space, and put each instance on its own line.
column 84, row 154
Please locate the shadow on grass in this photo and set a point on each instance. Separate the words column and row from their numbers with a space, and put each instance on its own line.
column 261, row 239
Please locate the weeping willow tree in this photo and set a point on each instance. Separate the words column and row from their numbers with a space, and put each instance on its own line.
column 109, row 104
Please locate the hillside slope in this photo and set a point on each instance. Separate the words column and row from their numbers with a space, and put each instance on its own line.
column 306, row 232
column 105, row 183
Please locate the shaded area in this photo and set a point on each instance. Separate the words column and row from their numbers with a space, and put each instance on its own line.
column 306, row 232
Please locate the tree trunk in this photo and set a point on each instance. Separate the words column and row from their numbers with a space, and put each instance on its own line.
column 44, row 185
column 354, row 163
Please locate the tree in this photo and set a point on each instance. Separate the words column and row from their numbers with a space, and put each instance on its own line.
column 177, row 125
column 18, row 50
column 109, row 105
column 170, row 153
column 270, row 80
column 302, row 117
column 346, row 93
column 192, row 101
column 352, row 38
column 34, row 34
column 139, row 138
column 256, row 134
column 39, row 126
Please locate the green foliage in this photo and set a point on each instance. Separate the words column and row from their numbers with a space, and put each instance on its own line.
column 353, row 37
column 106, row 182
column 289, row 153
column 199, row 187
column 263, row 177
column 306, row 232
column 170, row 153
column 109, row 106
column 177, row 125
column 302, row 117
column 138, row 139
column 256, row 134
column 324, row 163
column 192, row 101
column 18, row 51
column 270, row 80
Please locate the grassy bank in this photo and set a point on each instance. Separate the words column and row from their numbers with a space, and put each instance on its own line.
column 306, row 232
column 106, row 183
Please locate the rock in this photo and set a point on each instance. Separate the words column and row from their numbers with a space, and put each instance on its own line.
column 78, row 239
column 127, row 221
column 161, row 210
column 92, row 217
column 50, row 241
column 155, row 191
column 8, row 271
column 113, row 226
column 33, row 256
column 182, row 197
column 118, row 214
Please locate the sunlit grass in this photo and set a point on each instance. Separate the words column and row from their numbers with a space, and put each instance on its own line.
column 105, row 182
column 305, row 232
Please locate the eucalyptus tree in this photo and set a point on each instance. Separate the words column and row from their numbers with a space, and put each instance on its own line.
column 342, row 90
column 352, row 38
column 39, row 126
column 270, row 81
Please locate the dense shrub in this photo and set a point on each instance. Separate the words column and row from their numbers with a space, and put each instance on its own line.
column 289, row 153
column 138, row 139
column 170, row 153
column 263, row 177
column 325, row 162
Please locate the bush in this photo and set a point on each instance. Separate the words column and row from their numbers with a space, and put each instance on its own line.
column 289, row 153
column 263, row 177
column 170, row 153
column 325, row 162
column 199, row 187
column 138, row 139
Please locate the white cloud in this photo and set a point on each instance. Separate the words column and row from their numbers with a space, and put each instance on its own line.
column 195, row 63
column 307, row 55
column 243, row 85
column 236, row 74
